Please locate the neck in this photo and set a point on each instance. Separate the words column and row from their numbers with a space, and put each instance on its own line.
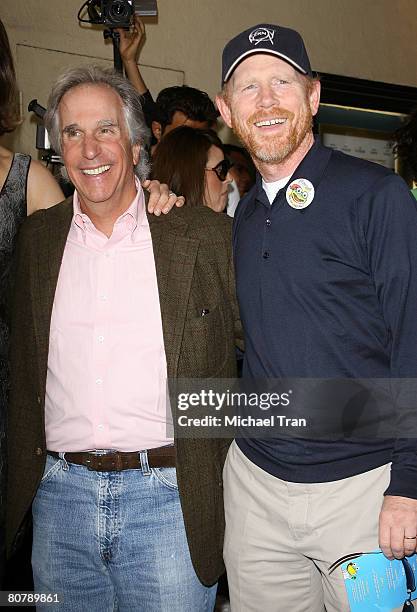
column 274, row 171
column 104, row 215
column 5, row 154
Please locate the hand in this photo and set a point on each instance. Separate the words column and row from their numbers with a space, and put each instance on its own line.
column 161, row 198
column 131, row 40
column 398, row 520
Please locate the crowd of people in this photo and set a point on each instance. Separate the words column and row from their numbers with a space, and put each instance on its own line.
column 110, row 303
column 179, row 106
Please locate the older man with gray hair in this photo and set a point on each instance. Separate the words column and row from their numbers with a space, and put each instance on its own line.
column 107, row 304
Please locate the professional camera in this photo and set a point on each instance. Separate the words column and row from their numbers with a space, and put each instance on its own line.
column 117, row 13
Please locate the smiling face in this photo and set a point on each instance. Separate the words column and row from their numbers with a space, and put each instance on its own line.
column 270, row 106
column 96, row 148
column 216, row 191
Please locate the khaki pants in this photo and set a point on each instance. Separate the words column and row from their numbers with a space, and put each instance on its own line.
column 281, row 537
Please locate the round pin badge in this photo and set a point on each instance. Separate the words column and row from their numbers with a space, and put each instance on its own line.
column 300, row 193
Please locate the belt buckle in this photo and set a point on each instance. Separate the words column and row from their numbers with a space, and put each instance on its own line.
column 96, row 463
column 89, row 464
column 118, row 463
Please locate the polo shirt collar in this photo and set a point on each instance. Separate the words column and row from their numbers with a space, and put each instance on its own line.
column 311, row 167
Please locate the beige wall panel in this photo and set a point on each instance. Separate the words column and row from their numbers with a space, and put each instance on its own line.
column 370, row 39
column 36, row 82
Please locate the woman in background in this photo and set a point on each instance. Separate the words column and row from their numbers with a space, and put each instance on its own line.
column 192, row 162
column 25, row 186
column 18, row 171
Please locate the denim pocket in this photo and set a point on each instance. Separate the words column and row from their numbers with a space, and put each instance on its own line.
column 52, row 466
column 166, row 476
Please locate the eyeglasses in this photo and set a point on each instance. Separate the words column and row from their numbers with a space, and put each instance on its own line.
column 409, row 574
column 221, row 169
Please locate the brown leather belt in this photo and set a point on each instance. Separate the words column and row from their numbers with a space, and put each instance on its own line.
column 117, row 461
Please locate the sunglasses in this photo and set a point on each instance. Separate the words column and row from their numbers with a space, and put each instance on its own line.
column 221, row 169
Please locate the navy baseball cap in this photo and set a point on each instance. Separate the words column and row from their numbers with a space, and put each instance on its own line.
column 285, row 43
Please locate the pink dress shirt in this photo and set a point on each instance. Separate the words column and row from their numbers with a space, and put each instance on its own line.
column 107, row 376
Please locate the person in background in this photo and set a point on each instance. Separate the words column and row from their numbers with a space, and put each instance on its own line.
column 25, row 186
column 182, row 105
column 174, row 106
column 26, row 181
column 243, row 174
column 193, row 162
column 177, row 106
column 406, row 147
column 243, row 170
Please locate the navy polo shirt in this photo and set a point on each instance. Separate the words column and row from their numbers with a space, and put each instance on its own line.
column 330, row 291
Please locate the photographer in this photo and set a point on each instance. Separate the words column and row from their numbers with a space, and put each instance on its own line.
column 174, row 106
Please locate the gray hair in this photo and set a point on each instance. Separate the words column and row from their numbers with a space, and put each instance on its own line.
column 130, row 99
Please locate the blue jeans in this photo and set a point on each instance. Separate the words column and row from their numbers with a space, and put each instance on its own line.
column 113, row 541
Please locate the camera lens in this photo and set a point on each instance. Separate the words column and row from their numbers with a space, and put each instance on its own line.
column 120, row 10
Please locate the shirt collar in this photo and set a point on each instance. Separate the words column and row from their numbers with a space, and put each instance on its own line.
column 311, row 167
column 133, row 217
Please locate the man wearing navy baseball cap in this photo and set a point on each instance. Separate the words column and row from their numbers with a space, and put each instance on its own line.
column 326, row 264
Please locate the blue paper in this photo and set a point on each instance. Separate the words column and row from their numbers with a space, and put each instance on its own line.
column 373, row 583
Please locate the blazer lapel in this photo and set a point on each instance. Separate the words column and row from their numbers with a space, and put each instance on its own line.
column 175, row 255
column 49, row 245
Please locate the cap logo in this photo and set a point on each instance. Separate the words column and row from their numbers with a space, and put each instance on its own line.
column 261, row 35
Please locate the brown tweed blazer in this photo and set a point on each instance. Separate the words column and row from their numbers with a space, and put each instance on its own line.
column 192, row 248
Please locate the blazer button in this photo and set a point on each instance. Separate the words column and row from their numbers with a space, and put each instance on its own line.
column 38, row 452
column 38, row 399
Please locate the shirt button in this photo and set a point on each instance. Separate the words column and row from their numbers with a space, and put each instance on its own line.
column 100, row 426
column 266, row 255
column 100, row 339
column 103, row 297
column 99, row 381
column 268, row 223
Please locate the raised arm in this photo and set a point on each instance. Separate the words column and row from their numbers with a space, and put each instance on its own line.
column 130, row 42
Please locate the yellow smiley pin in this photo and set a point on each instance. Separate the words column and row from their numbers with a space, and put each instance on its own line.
column 300, row 193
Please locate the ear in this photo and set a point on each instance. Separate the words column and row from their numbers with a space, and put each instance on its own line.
column 314, row 97
column 136, row 153
column 156, row 130
column 224, row 110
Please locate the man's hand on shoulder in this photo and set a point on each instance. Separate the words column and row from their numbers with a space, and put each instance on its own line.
column 161, row 198
column 398, row 526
